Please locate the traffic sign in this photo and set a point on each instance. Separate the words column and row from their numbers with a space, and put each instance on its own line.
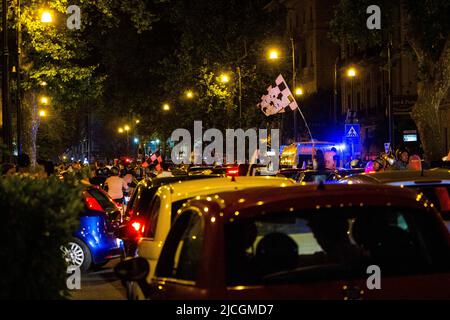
column 387, row 146
column 352, row 131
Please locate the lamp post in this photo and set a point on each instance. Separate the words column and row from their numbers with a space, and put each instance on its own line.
column 275, row 55
column 238, row 70
column 390, row 115
column 351, row 73
column 127, row 130
column 6, row 112
column 294, row 84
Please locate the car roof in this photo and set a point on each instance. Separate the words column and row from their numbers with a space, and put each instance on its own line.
column 241, row 204
column 187, row 189
column 157, row 182
column 397, row 176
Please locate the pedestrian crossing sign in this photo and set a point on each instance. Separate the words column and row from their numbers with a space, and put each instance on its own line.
column 352, row 131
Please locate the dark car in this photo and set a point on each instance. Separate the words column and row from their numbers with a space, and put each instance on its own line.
column 94, row 242
column 139, row 205
column 301, row 242
column 309, row 176
column 434, row 184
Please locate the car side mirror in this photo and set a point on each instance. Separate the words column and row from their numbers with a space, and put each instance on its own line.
column 134, row 269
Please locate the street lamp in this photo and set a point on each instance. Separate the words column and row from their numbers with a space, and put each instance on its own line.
column 138, row 121
column 166, row 107
column 299, row 92
column 44, row 100
column 351, row 73
column 274, row 54
column 46, row 17
column 224, row 78
column 120, row 130
column 126, row 128
column 42, row 113
column 189, row 94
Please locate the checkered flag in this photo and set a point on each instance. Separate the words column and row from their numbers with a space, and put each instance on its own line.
column 156, row 159
column 278, row 97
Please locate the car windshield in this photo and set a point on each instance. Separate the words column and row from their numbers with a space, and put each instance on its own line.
column 291, row 247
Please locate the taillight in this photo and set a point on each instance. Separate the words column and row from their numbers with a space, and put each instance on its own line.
column 232, row 172
column 137, row 229
column 93, row 204
column 136, row 225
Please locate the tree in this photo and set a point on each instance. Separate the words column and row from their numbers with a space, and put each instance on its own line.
column 427, row 33
column 65, row 59
column 235, row 34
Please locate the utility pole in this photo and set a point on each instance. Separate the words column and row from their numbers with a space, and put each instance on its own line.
column 293, row 85
column 390, row 115
column 6, row 112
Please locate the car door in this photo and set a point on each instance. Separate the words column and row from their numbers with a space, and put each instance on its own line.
column 148, row 247
column 177, row 273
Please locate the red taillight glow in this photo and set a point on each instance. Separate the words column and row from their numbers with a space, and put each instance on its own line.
column 136, row 226
column 232, row 172
column 93, row 204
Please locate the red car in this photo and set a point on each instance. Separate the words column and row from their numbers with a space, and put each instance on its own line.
column 302, row 242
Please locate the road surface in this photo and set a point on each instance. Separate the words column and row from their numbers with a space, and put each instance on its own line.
column 100, row 284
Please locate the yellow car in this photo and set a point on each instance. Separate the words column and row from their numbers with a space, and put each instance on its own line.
column 170, row 198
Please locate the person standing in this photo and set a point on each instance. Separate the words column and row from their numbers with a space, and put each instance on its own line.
column 330, row 159
column 116, row 186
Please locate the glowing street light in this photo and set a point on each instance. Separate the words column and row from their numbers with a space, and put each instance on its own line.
column 126, row 128
column 351, row 72
column 299, row 91
column 120, row 130
column 137, row 121
column 42, row 113
column 43, row 83
column 46, row 17
column 274, row 54
column 189, row 94
column 224, row 78
column 44, row 100
column 166, row 107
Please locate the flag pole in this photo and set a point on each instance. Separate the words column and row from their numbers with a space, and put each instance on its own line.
column 306, row 124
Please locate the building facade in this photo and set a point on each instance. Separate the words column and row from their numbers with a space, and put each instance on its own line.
column 330, row 94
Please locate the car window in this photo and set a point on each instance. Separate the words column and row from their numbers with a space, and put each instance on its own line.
column 152, row 219
column 182, row 250
column 131, row 202
column 176, row 206
column 143, row 200
column 102, row 199
column 325, row 243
